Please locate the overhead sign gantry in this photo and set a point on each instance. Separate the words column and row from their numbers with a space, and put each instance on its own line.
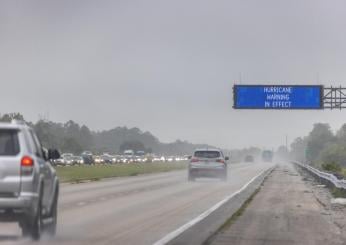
column 278, row 97
column 334, row 98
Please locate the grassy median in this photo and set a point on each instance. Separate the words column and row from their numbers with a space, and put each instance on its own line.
column 77, row 174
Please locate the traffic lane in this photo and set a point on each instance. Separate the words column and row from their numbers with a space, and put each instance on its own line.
column 75, row 195
column 146, row 217
column 69, row 192
column 103, row 216
column 180, row 177
column 93, row 192
column 114, row 182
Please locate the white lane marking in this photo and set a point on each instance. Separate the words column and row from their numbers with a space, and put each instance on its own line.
column 169, row 237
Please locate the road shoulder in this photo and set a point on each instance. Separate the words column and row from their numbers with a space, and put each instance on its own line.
column 285, row 211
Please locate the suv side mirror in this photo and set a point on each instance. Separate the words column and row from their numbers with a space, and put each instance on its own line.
column 53, row 154
column 45, row 154
column 189, row 157
column 226, row 158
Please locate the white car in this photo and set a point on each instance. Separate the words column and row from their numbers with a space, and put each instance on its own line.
column 67, row 159
column 208, row 163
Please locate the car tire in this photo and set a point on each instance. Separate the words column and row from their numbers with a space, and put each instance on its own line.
column 36, row 225
column 25, row 228
column 52, row 226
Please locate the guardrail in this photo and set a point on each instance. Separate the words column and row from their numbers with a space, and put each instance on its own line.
column 331, row 178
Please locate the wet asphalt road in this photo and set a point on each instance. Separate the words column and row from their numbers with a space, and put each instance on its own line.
column 135, row 210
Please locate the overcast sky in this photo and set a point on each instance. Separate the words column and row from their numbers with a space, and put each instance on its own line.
column 169, row 66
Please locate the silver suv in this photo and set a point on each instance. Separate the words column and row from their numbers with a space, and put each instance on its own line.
column 207, row 163
column 29, row 187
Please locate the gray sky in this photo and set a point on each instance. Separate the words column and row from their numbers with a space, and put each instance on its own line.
column 168, row 66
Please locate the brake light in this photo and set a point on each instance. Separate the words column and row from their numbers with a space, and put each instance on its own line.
column 220, row 160
column 27, row 166
column 194, row 160
column 27, row 162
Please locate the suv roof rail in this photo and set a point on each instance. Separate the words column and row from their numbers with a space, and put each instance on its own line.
column 18, row 122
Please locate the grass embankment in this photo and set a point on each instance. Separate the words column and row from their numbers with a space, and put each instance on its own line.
column 76, row 174
column 344, row 172
column 335, row 168
column 338, row 171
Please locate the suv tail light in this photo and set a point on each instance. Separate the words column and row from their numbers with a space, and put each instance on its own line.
column 220, row 160
column 27, row 162
column 27, row 165
column 194, row 160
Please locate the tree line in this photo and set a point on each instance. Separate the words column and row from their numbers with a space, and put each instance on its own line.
column 74, row 138
column 321, row 147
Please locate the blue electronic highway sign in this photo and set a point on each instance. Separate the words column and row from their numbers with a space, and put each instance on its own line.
column 278, row 97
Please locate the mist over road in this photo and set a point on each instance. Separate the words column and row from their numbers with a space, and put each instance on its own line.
column 135, row 210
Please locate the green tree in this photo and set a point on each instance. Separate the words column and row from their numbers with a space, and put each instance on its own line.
column 45, row 132
column 319, row 137
column 9, row 116
column 132, row 145
column 341, row 135
column 334, row 153
column 86, row 138
column 71, row 145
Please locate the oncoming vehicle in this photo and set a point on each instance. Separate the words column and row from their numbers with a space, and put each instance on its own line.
column 67, row 159
column 106, row 158
column 267, row 156
column 140, row 153
column 59, row 162
column 77, row 160
column 98, row 160
column 116, row 159
column 140, row 156
column 170, row 159
column 29, row 187
column 129, row 156
column 208, row 163
column 87, row 157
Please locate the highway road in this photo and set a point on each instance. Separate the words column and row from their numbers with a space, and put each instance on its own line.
column 135, row 210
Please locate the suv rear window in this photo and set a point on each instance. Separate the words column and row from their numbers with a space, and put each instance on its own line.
column 207, row 154
column 9, row 145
